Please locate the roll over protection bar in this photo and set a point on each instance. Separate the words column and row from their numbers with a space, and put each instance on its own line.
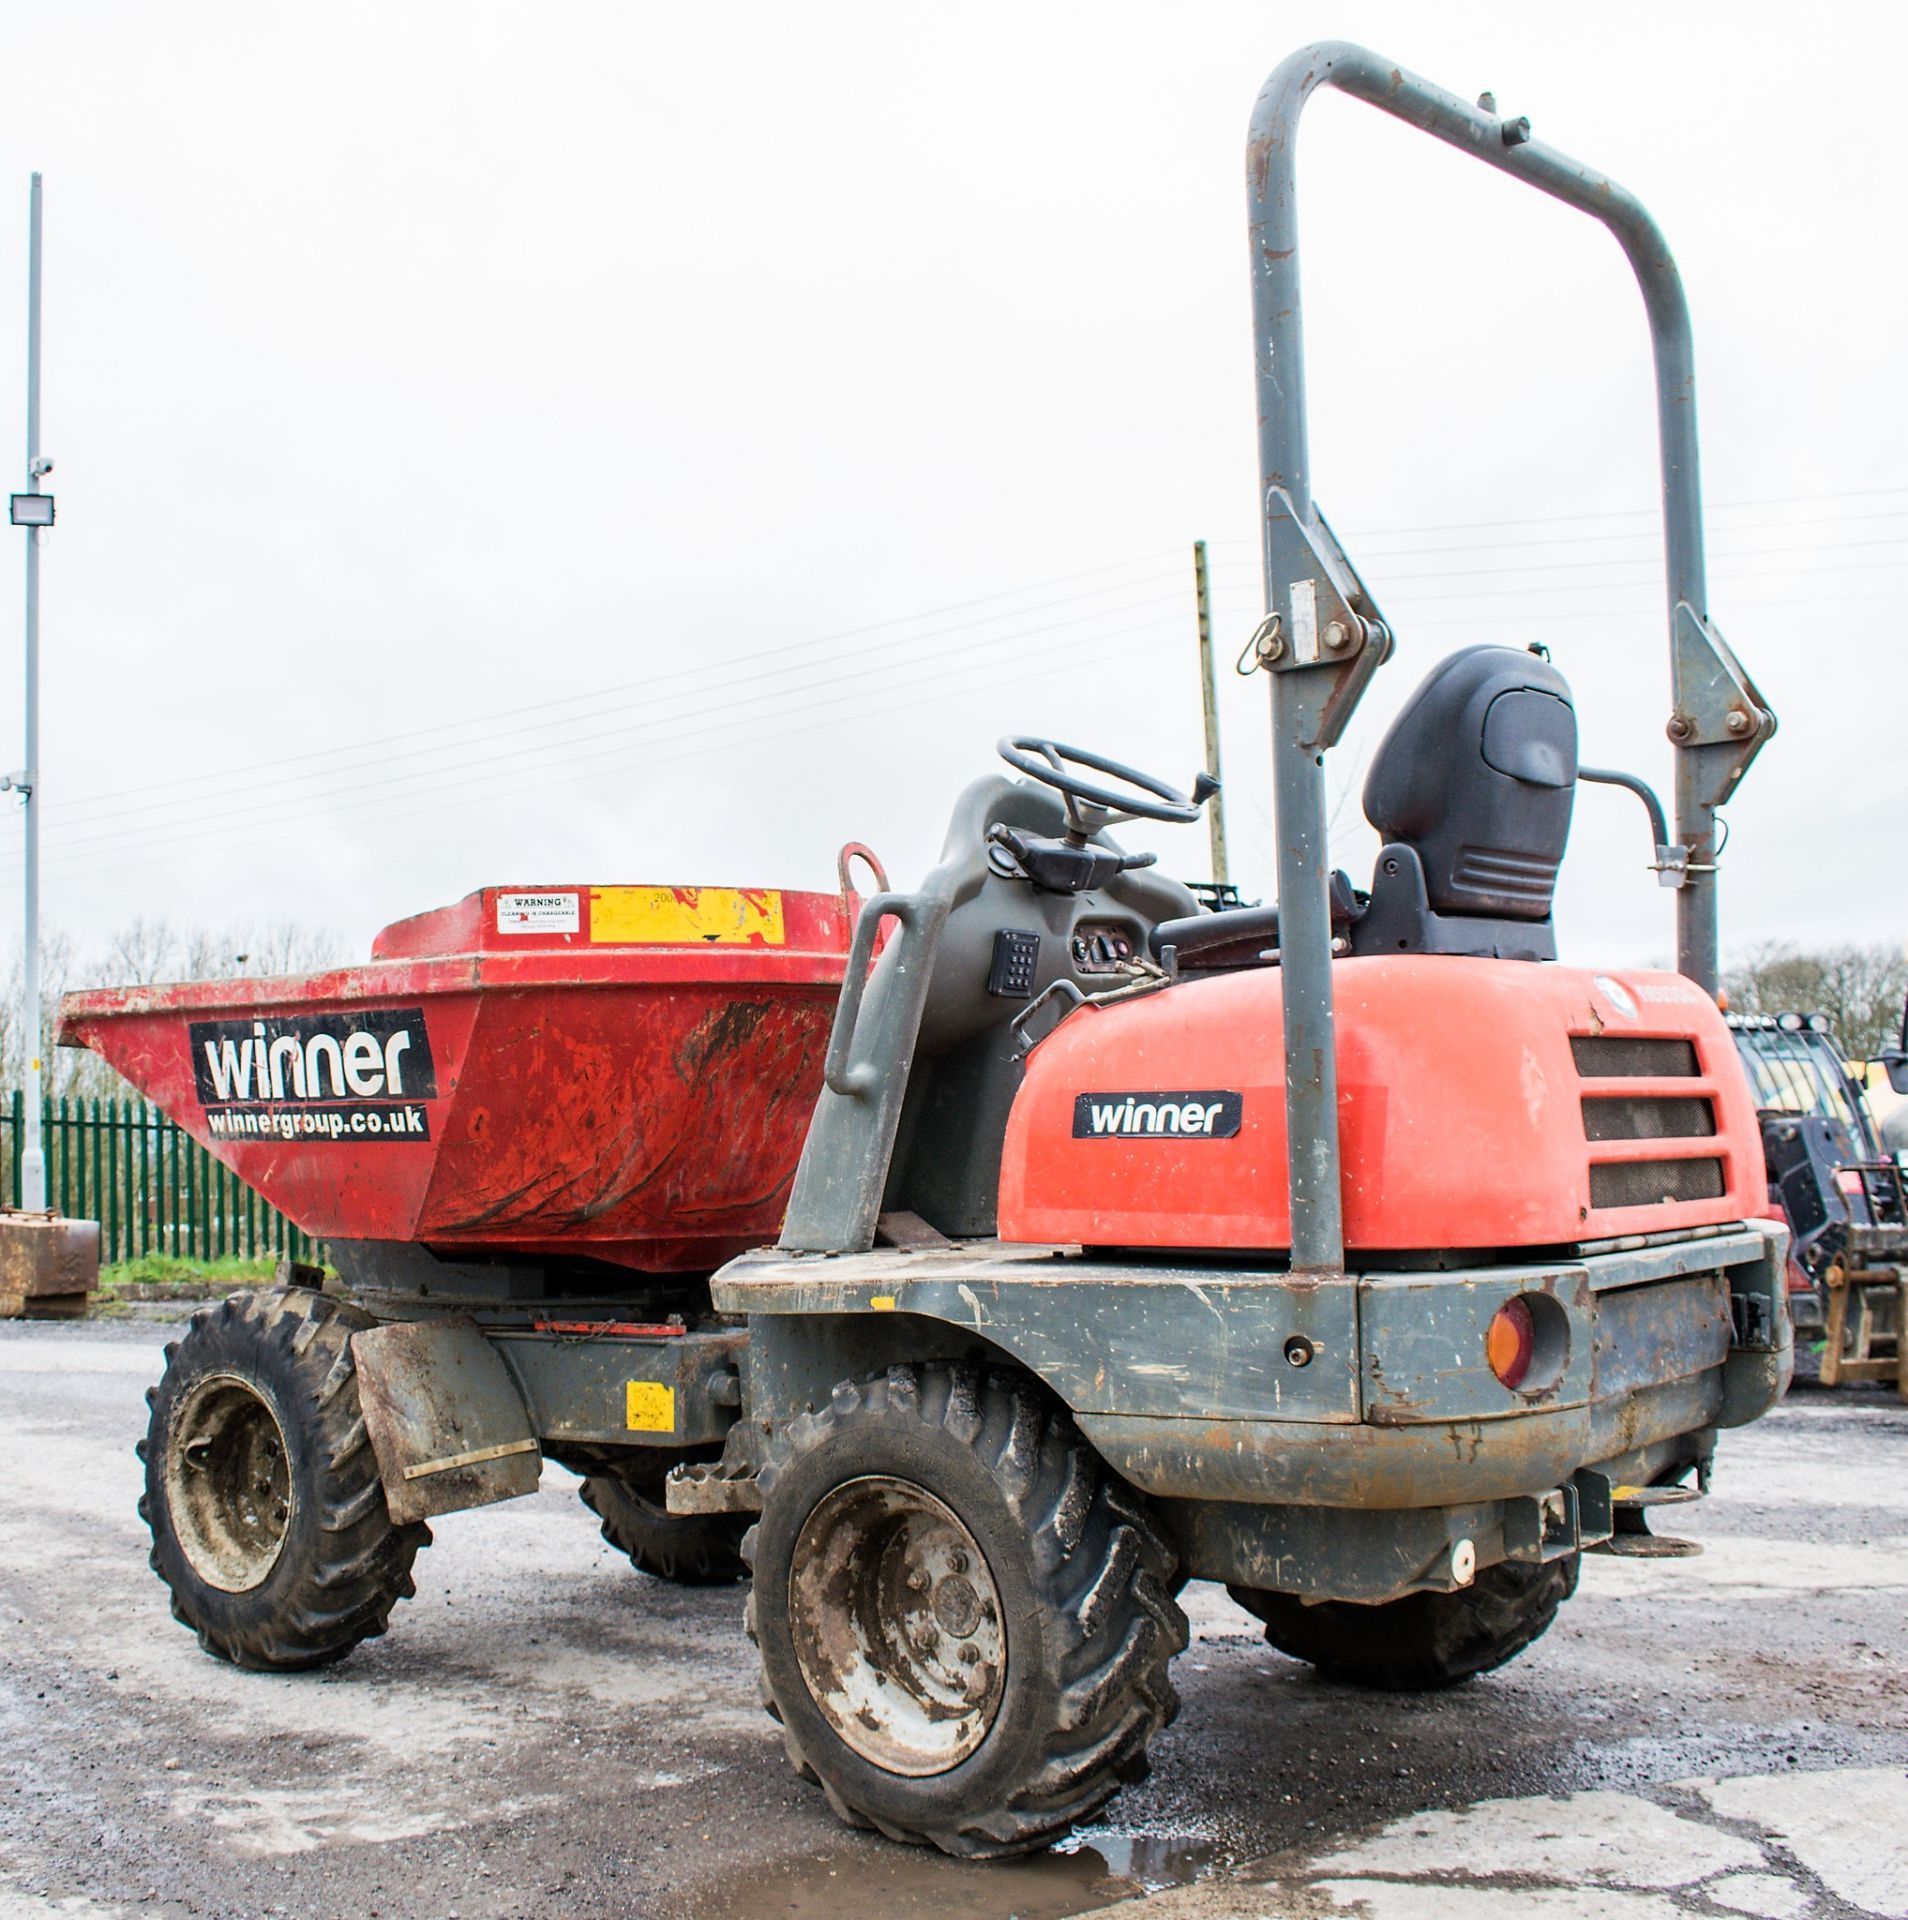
column 1323, row 638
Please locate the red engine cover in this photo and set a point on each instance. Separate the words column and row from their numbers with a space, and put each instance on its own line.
column 1482, row 1104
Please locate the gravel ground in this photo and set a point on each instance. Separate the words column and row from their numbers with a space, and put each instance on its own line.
column 545, row 1731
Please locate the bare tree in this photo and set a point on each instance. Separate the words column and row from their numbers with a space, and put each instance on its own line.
column 145, row 953
column 150, row 951
column 1860, row 988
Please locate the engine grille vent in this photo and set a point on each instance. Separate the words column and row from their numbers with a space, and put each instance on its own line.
column 1648, row 1183
column 1612, row 1057
column 1649, row 1117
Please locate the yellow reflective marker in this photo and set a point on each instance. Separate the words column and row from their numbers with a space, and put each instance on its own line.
column 882, row 1303
column 650, row 1407
column 686, row 917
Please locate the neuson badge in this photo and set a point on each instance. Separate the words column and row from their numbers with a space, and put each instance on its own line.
column 1156, row 1116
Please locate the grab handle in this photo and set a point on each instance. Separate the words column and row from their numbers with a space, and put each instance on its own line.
column 855, row 1081
column 849, row 854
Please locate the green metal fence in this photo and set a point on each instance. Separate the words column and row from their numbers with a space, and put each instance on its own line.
column 149, row 1184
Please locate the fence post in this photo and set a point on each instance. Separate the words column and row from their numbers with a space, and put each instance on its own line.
column 109, row 1200
column 127, row 1165
column 130, row 1250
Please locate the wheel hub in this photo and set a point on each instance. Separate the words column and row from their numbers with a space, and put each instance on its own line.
column 228, row 1483
column 897, row 1625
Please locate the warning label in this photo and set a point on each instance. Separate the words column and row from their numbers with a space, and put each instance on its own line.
column 538, row 913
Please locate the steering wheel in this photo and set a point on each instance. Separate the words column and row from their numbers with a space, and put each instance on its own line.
column 1050, row 763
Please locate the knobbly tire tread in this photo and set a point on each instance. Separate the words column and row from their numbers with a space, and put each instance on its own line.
column 691, row 1549
column 1423, row 1640
column 344, row 1564
column 1101, row 1570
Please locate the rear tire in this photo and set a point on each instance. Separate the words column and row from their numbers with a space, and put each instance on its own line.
column 964, row 1620
column 1424, row 1640
column 692, row 1549
column 267, row 1513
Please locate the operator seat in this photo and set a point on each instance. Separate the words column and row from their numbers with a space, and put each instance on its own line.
column 1471, row 791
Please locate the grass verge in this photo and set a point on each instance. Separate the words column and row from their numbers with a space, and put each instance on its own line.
column 164, row 1276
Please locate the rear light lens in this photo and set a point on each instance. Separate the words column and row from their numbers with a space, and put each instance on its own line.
column 1510, row 1343
column 1849, row 1181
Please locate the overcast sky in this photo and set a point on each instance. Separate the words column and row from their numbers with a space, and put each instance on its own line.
column 658, row 443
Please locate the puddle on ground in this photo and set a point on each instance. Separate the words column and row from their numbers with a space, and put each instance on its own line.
column 1097, row 1868
column 1148, row 1862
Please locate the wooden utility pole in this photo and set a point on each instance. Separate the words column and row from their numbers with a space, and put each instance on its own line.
column 1209, row 699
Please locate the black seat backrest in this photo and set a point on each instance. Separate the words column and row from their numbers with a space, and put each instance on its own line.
column 1471, row 791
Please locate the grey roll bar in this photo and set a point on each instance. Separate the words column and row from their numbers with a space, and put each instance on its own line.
column 1323, row 638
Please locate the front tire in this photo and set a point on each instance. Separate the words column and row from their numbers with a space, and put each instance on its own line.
column 267, row 1513
column 1424, row 1640
column 964, row 1620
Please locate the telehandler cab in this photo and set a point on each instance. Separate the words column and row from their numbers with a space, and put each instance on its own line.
column 1352, row 1251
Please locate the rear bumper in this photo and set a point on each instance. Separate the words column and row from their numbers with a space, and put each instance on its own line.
column 1184, row 1376
column 1663, row 1342
column 1388, row 1458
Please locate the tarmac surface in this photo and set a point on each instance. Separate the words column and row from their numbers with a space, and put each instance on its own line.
column 546, row 1731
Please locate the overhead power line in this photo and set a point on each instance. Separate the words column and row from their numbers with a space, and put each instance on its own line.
column 1620, row 513
column 726, row 740
column 1652, row 560
column 486, row 773
column 454, row 756
column 732, row 663
column 491, row 763
column 408, row 740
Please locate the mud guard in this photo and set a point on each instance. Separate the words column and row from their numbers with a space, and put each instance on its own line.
column 446, row 1419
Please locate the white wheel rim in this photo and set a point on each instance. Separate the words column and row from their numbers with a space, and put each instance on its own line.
column 228, row 1483
column 897, row 1625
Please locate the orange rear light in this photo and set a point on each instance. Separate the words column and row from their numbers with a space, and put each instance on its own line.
column 1510, row 1343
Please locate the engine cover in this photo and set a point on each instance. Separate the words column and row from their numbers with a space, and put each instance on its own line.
column 1483, row 1104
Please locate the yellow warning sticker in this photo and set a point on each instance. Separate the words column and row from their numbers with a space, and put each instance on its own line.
column 650, row 1406
column 882, row 1303
column 686, row 917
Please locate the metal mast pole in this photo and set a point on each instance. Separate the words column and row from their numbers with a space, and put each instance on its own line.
column 1209, row 699
column 33, row 1156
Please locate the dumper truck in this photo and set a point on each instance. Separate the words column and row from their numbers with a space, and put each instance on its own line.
column 977, row 1264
